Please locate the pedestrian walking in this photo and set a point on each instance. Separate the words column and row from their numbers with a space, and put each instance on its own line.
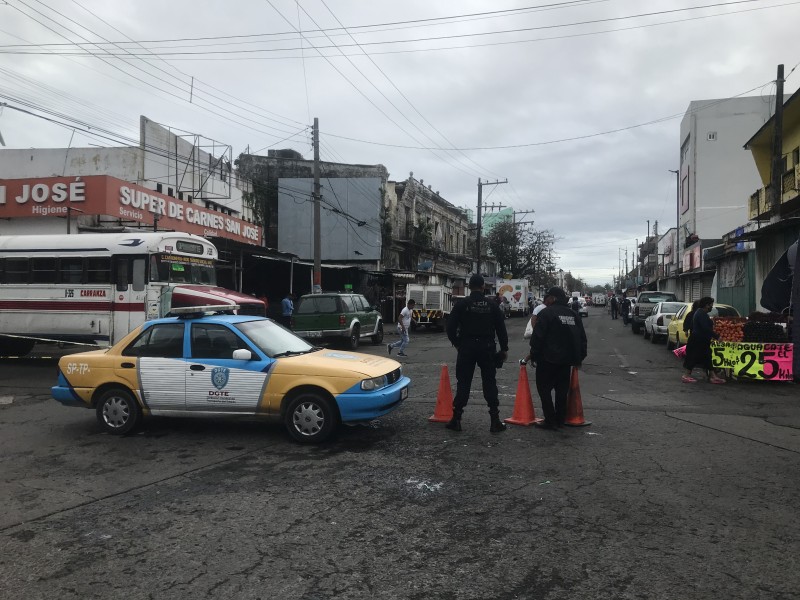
column 614, row 307
column 287, row 309
column 403, row 326
column 473, row 324
column 698, row 347
column 576, row 307
column 558, row 345
column 625, row 311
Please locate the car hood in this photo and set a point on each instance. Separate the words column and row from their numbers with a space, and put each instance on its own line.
column 199, row 295
column 337, row 363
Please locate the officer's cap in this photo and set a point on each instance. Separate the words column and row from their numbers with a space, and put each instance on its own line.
column 475, row 282
column 557, row 293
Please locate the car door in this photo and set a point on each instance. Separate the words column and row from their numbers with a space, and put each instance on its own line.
column 215, row 381
column 159, row 350
column 368, row 316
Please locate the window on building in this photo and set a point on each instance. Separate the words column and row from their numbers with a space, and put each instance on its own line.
column 796, row 157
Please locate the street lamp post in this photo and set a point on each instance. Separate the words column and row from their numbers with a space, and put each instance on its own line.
column 677, row 213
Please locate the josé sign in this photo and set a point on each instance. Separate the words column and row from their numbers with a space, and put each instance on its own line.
column 104, row 195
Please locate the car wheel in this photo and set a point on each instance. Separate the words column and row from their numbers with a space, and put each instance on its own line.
column 355, row 337
column 670, row 345
column 646, row 333
column 118, row 412
column 378, row 337
column 653, row 337
column 635, row 329
column 310, row 418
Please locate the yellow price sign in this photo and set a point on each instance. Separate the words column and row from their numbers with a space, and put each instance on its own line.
column 754, row 361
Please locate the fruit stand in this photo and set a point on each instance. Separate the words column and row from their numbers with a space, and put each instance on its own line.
column 754, row 348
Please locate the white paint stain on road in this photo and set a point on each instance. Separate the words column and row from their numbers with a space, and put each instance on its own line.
column 425, row 486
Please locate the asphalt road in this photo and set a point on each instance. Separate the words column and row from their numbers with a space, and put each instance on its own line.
column 675, row 491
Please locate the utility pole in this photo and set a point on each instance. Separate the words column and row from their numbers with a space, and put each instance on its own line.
column 776, row 179
column 480, row 200
column 677, row 221
column 317, row 281
column 515, row 258
column 626, row 266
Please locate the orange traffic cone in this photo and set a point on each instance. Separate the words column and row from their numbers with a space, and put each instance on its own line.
column 574, row 403
column 444, row 400
column 523, row 403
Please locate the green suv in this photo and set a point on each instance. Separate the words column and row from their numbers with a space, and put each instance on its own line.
column 333, row 316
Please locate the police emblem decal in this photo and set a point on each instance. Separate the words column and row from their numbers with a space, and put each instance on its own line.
column 219, row 377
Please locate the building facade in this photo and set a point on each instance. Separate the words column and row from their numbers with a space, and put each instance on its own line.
column 713, row 171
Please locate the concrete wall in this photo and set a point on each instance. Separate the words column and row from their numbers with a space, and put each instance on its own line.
column 122, row 163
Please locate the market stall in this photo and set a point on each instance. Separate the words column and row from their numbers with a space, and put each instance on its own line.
column 754, row 348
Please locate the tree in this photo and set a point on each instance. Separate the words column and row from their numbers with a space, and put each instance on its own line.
column 501, row 243
column 523, row 251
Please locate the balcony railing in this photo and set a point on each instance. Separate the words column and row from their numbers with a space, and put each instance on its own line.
column 791, row 181
column 758, row 204
column 759, row 201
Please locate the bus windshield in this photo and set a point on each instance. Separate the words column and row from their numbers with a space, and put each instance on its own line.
column 171, row 268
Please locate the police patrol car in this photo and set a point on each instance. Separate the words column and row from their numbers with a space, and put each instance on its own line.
column 203, row 363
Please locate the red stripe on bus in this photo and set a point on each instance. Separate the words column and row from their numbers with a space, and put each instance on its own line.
column 31, row 305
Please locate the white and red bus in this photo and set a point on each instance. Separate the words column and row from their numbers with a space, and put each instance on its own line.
column 94, row 288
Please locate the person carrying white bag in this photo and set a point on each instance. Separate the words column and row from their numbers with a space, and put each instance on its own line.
column 531, row 324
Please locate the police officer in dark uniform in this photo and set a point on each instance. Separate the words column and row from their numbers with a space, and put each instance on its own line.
column 471, row 327
column 558, row 345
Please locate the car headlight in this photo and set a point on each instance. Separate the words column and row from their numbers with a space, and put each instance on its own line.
column 373, row 384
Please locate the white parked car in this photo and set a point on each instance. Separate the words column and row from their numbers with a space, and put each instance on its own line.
column 655, row 326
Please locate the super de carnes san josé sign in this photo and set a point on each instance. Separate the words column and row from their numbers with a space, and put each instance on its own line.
column 108, row 196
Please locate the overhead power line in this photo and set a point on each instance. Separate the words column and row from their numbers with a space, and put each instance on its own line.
column 449, row 37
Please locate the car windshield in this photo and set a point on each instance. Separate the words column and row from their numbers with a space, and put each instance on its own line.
column 182, row 269
column 656, row 298
column 310, row 305
column 671, row 307
column 723, row 311
column 273, row 339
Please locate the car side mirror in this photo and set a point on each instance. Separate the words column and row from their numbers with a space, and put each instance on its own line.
column 242, row 354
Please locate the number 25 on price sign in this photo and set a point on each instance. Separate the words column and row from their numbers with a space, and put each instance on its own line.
column 767, row 362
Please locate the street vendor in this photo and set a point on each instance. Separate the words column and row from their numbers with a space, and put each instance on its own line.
column 698, row 348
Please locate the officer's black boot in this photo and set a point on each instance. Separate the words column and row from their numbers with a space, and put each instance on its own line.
column 455, row 422
column 497, row 425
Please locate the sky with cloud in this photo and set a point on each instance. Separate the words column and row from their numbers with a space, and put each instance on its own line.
column 576, row 103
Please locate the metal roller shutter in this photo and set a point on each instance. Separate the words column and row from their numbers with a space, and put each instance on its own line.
column 697, row 289
column 707, row 286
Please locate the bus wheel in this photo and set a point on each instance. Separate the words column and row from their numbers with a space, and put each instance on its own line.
column 118, row 412
column 15, row 346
